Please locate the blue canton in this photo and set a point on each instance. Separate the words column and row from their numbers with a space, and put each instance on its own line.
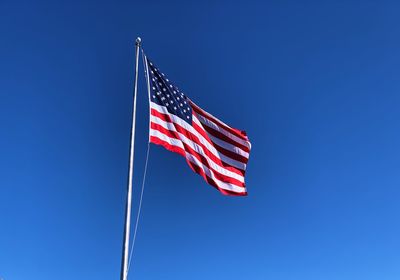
column 164, row 93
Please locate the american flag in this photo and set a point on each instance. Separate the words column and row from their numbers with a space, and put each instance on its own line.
column 214, row 150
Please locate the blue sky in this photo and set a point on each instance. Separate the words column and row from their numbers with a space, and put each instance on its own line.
column 314, row 83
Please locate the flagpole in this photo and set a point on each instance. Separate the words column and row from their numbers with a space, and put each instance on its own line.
column 125, row 253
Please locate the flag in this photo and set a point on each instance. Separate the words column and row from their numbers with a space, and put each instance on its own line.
column 214, row 150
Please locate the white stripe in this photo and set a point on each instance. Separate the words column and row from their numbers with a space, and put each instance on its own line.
column 227, row 160
column 226, row 186
column 196, row 147
column 219, row 128
column 194, row 160
column 223, row 125
column 171, row 141
column 222, row 143
column 211, row 148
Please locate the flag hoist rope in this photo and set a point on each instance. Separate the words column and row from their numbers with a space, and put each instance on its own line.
column 139, row 209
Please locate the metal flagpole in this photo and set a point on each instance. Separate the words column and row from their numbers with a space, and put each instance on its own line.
column 124, row 263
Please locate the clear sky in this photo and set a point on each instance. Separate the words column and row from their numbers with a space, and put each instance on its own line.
column 314, row 83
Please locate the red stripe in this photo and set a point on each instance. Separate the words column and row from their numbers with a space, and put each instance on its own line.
column 200, row 130
column 219, row 176
column 231, row 154
column 215, row 158
column 211, row 182
column 174, row 149
column 239, row 133
column 195, row 139
column 223, row 137
column 220, row 149
column 195, row 168
column 162, row 116
column 200, row 157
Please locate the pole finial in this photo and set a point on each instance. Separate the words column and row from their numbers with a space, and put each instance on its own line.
column 138, row 41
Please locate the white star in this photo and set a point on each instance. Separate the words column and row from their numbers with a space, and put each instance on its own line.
column 158, row 93
column 154, row 88
column 154, row 80
column 168, row 95
column 174, row 91
column 181, row 104
column 170, row 86
column 164, row 89
column 171, row 102
column 174, row 108
column 167, row 80
column 177, row 98
column 184, row 110
column 187, row 117
column 160, row 84
column 154, row 96
column 184, row 102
